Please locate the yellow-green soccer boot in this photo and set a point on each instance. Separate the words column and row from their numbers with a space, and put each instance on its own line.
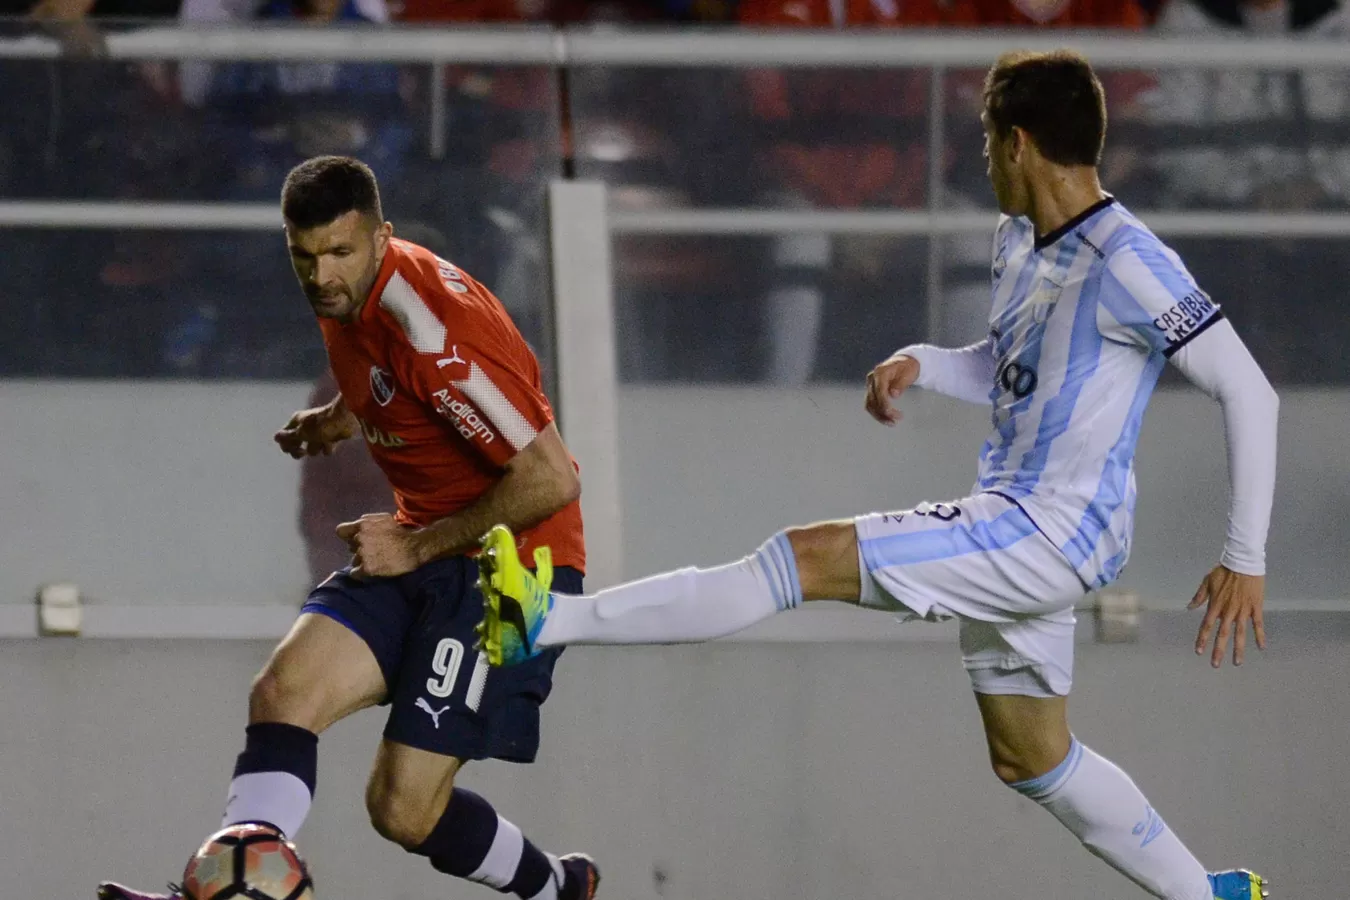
column 516, row 601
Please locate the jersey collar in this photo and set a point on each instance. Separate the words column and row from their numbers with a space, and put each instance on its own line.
column 1048, row 239
column 388, row 266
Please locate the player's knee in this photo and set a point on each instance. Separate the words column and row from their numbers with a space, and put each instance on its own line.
column 278, row 696
column 1015, row 765
column 1011, row 771
column 405, row 817
column 827, row 560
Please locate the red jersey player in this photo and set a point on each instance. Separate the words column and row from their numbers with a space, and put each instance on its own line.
column 434, row 375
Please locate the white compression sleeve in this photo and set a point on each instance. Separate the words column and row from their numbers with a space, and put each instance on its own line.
column 1219, row 364
column 966, row 373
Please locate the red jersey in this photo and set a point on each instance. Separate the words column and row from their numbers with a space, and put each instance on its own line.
column 447, row 391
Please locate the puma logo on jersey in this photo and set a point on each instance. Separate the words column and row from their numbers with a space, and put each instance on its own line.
column 435, row 714
column 453, row 358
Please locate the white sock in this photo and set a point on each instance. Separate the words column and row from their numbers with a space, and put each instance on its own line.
column 1102, row 807
column 683, row 606
column 503, row 857
column 277, row 798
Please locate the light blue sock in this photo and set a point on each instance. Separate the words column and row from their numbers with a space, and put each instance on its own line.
column 780, row 566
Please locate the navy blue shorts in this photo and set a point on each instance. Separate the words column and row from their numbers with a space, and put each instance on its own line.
column 444, row 697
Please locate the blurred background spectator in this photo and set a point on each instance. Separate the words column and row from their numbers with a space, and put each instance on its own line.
column 1265, row 141
column 848, row 139
column 466, row 152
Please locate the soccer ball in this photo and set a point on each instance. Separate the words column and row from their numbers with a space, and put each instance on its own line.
column 248, row 862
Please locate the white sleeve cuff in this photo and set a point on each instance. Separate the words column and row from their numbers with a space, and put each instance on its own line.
column 966, row 373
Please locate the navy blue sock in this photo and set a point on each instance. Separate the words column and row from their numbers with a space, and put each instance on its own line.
column 471, row 841
column 274, row 777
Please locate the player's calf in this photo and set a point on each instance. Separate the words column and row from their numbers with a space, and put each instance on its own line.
column 408, row 791
column 471, row 841
column 413, row 802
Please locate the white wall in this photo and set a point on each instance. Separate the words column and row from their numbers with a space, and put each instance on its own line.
column 746, row 771
column 760, row 771
column 159, row 495
column 149, row 492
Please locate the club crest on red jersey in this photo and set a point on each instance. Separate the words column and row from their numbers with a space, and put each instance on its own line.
column 381, row 385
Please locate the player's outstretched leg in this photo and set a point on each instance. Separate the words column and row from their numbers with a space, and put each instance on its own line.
column 1034, row 753
column 521, row 616
column 320, row 673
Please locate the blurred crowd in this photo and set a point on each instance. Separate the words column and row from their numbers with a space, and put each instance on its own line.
column 464, row 153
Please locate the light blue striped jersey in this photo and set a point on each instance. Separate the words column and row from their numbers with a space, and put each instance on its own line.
column 1082, row 324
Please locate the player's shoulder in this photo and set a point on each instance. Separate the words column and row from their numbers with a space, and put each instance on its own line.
column 1011, row 228
column 1120, row 231
column 431, row 301
column 1009, row 233
column 1126, row 243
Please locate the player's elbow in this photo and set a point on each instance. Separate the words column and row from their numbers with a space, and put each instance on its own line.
column 567, row 486
column 1261, row 400
column 1271, row 400
column 553, row 486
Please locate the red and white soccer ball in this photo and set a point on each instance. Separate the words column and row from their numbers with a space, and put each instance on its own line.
column 247, row 862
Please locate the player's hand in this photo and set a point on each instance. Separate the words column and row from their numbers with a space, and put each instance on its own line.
column 1234, row 601
column 316, row 431
column 887, row 382
column 381, row 547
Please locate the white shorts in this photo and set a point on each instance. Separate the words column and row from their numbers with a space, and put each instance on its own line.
column 983, row 561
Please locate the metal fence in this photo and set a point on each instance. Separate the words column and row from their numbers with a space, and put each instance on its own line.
column 812, row 172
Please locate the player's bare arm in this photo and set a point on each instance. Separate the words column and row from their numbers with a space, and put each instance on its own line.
column 539, row 481
column 311, row 432
column 886, row 383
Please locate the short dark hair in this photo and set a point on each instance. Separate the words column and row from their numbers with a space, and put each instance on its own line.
column 1054, row 97
column 323, row 188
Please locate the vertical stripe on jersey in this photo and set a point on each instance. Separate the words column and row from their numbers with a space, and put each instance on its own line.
column 1113, row 488
column 494, row 404
column 1030, row 355
column 1034, row 460
column 424, row 331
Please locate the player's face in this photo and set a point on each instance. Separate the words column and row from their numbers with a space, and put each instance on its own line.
column 337, row 263
column 1002, row 169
